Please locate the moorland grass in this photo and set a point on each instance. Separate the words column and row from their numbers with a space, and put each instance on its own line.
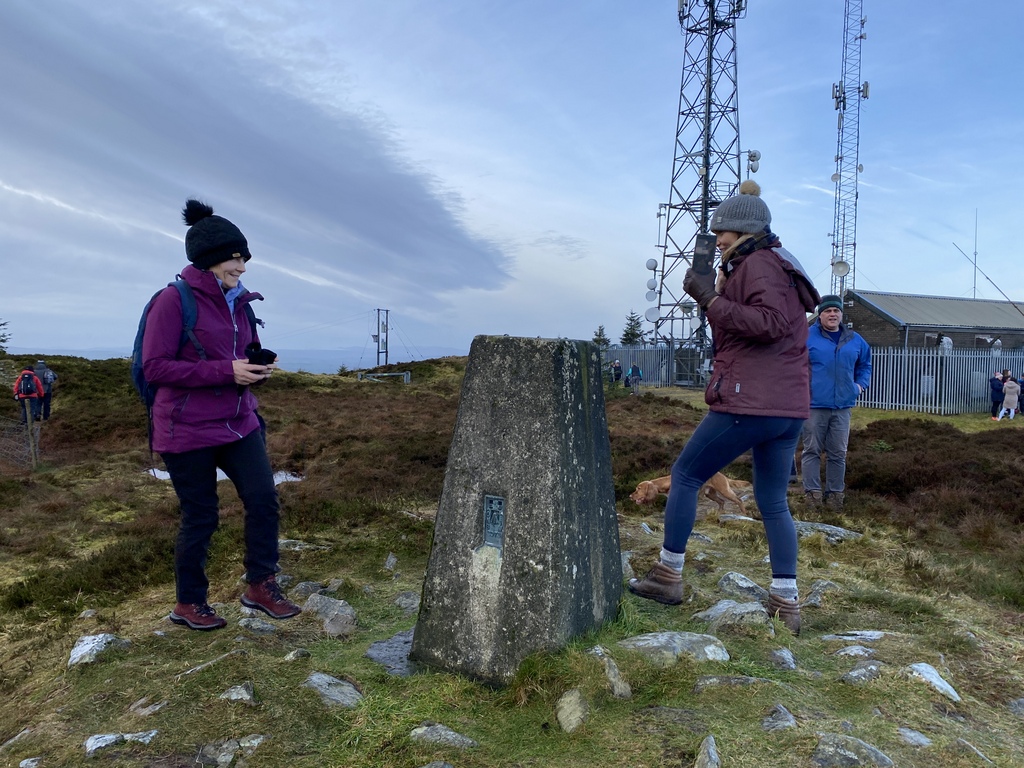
column 939, row 567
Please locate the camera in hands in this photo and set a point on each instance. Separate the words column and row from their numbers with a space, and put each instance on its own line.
column 258, row 355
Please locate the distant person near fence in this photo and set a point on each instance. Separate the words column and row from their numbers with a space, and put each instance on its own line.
column 1011, row 394
column 840, row 371
column 28, row 391
column 995, row 385
column 634, row 376
column 47, row 376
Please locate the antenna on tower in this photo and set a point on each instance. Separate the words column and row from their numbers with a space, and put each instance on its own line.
column 706, row 163
column 847, row 96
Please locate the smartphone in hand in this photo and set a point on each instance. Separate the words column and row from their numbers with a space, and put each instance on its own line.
column 704, row 253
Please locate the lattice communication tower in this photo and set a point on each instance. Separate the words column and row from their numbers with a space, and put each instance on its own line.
column 847, row 96
column 706, row 164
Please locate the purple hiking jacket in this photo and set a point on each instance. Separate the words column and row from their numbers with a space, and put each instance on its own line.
column 198, row 404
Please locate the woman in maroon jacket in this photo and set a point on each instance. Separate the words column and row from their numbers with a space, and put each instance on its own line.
column 204, row 418
column 758, row 394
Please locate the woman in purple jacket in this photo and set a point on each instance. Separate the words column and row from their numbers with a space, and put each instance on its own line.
column 204, row 418
column 758, row 394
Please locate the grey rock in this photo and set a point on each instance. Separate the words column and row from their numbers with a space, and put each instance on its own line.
column 257, row 625
column 304, row 589
column 142, row 737
column 408, row 601
column 620, row 688
column 334, row 585
column 742, row 617
column 16, row 738
column 294, row 545
column 88, row 648
column 571, row 710
column 855, row 650
column 704, row 682
column 31, row 762
column 627, row 569
column 438, row 764
column 393, row 653
column 738, row 585
column 223, row 753
column 833, row 534
column 88, row 613
column 782, row 658
column 142, row 707
column 333, row 692
column 1017, row 707
column 966, row 746
column 778, row 719
column 863, row 672
column 102, row 741
column 391, row 562
column 707, row 756
column 914, row 738
column 817, row 590
column 243, row 694
column 339, row 618
column 696, row 536
column 837, row 750
column 730, row 518
column 858, row 636
column 663, row 649
column 298, row 653
column 434, row 733
column 715, row 610
column 928, row 673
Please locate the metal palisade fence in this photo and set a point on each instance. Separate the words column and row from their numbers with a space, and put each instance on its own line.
column 930, row 380
column 922, row 379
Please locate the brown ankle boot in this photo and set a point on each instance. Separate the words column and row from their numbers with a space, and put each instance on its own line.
column 788, row 612
column 661, row 583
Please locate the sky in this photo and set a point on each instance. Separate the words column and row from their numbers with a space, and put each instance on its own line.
column 472, row 166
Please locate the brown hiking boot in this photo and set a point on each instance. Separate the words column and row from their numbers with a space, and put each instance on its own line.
column 812, row 497
column 788, row 611
column 835, row 500
column 196, row 616
column 661, row 584
column 266, row 596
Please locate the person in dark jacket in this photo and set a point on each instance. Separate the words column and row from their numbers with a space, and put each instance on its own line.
column 840, row 371
column 634, row 376
column 47, row 377
column 995, row 384
column 204, row 418
column 757, row 309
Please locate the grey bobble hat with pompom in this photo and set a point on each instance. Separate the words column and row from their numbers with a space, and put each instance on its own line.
column 211, row 239
column 745, row 212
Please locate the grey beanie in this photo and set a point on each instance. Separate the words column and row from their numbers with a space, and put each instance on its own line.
column 211, row 239
column 746, row 212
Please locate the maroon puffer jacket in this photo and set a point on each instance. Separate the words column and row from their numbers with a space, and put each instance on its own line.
column 759, row 326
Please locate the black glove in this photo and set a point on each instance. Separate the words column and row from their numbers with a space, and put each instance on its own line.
column 700, row 286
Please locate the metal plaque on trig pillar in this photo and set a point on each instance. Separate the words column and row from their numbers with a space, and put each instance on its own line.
column 494, row 521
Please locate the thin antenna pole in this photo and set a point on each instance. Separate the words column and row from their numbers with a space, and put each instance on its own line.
column 975, row 253
column 989, row 279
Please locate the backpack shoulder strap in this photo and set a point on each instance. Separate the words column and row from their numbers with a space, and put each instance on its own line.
column 189, row 314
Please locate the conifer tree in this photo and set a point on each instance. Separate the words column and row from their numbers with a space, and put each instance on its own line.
column 633, row 333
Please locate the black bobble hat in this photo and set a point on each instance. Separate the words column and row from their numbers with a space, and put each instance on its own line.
column 211, row 239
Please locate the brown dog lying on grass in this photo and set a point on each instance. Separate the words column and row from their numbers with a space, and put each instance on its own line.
column 717, row 489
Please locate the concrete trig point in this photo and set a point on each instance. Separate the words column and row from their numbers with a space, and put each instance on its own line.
column 525, row 554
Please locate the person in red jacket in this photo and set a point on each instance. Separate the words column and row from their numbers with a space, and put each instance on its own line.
column 28, row 391
column 205, row 419
column 757, row 307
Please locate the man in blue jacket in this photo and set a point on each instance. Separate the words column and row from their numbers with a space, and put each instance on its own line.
column 840, row 370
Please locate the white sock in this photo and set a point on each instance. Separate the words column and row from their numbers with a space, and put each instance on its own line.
column 673, row 560
column 784, row 588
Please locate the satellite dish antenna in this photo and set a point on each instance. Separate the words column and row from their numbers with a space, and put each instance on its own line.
column 840, row 269
column 835, row 177
column 653, row 314
column 652, row 264
column 687, row 307
column 652, row 284
column 651, row 296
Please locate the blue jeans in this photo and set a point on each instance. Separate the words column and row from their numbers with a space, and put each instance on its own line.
column 827, row 430
column 194, row 476
column 719, row 439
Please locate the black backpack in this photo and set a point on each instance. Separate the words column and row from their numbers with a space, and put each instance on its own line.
column 27, row 385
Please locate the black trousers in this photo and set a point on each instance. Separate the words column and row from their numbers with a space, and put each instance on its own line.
column 194, row 476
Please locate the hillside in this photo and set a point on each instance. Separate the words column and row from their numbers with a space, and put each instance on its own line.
column 85, row 548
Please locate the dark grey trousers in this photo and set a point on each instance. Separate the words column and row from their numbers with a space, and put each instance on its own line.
column 828, row 432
